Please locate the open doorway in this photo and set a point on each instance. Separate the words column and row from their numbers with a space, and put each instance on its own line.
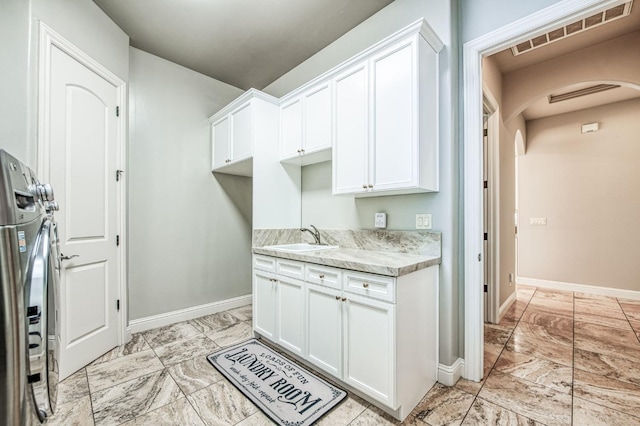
column 523, row 31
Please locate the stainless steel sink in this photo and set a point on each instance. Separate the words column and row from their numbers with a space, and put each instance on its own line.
column 300, row 247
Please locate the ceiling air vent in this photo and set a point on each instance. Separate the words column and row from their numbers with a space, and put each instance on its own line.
column 592, row 21
column 581, row 92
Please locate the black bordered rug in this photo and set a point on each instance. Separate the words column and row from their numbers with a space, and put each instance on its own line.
column 284, row 391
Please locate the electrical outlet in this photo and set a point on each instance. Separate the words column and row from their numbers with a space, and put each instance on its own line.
column 538, row 221
column 380, row 220
column 510, row 279
column 423, row 221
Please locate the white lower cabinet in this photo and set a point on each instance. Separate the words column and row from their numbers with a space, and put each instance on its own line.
column 377, row 334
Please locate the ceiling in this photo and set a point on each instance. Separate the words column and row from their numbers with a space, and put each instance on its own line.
column 507, row 62
column 245, row 43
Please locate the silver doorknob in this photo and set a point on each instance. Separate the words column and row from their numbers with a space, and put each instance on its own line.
column 65, row 257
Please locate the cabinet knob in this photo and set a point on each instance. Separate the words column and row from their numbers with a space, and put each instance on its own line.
column 365, row 285
column 273, row 280
column 337, row 297
column 321, row 276
column 344, row 299
column 370, row 186
column 298, row 151
column 302, row 150
column 364, row 186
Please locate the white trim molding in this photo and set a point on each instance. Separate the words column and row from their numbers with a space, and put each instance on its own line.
column 168, row 318
column 556, row 15
column 581, row 288
column 506, row 305
column 448, row 375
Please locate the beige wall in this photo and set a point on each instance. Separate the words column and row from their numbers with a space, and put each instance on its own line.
column 588, row 188
column 615, row 61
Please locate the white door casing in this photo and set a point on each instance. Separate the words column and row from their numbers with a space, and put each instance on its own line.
column 81, row 147
column 540, row 22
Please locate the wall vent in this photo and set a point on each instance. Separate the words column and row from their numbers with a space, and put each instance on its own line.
column 581, row 92
column 592, row 21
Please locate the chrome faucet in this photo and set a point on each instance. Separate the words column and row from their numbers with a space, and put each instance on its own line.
column 315, row 233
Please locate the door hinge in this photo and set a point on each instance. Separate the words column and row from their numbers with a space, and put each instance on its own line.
column 117, row 111
column 117, row 240
column 485, row 132
column 486, row 236
column 486, row 288
column 118, row 304
column 486, row 184
column 479, row 257
column 119, row 174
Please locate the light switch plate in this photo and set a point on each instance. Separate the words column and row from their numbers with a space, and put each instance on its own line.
column 423, row 221
column 538, row 221
column 380, row 220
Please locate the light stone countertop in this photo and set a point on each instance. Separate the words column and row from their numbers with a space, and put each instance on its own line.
column 388, row 263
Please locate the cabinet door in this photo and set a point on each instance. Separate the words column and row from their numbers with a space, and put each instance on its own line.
column 242, row 133
column 395, row 101
column 369, row 340
column 351, row 131
column 291, row 314
column 317, row 118
column 324, row 328
column 264, row 303
column 221, row 133
column 291, row 129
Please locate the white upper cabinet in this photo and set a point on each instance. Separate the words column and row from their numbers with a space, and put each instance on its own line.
column 386, row 119
column 305, row 125
column 236, row 128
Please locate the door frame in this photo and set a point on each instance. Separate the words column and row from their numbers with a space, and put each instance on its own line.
column 559, row 14
column 49, row 38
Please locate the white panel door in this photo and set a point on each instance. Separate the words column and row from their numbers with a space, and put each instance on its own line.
column 291, row 314
column 242, row 133
column 369, row 340
column 291, row 129
column 394, row 146
column 264, row 304
column 83, row 162
column 317, row 118
column 324, row 328
column 221, row 134
column 351, row 132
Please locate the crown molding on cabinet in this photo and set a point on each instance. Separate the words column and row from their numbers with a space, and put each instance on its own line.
column 246, row 96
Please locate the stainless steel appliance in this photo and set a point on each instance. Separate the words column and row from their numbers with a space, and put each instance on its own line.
column 29, row 268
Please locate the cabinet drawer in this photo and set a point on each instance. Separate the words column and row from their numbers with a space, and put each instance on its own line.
column 290, row 268
column 264, row 263
column 324, row 275
column 376, row 286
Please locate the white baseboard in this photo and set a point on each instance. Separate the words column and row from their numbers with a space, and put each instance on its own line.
column 506, row 305
column 448, row 375
column 161, row 320
column 580, row 288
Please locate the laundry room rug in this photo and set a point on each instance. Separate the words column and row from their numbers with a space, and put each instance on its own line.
column 284, row 391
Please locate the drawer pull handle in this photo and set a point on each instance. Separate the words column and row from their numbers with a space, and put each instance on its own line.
column 321, row 276
column 337, row 297
column 344, row 299
column 365, row 285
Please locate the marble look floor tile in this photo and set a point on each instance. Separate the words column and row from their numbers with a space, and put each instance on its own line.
column 611, row 393
column 74, row 413
column 602, row 320
column 373, row 416
column 183, row 350
column 485, row 413
column 557, row 295
column 508, row 323
column 221, row 404
column 194, row 374
column 631, row 308
column 136, row 344
column 235, row 333
column 588, row 413
column 497, row 334
column 552, row 306
column 123, row 369
column 218, row 321
column 537, row 316
column 516, row 310
column 553, row 335
column 491, row 354
column 607, row 341
column 539, row 348
column 243, row 313
column 599, row 308
column 350, row 408
column 536, row 402
column 443, row 405
column 134, row 398
column 171, row 333
column 177, row 413
column 536, row 370
column 469, row 386
column 256, row 419
column 608, row 366
column 73, row 387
